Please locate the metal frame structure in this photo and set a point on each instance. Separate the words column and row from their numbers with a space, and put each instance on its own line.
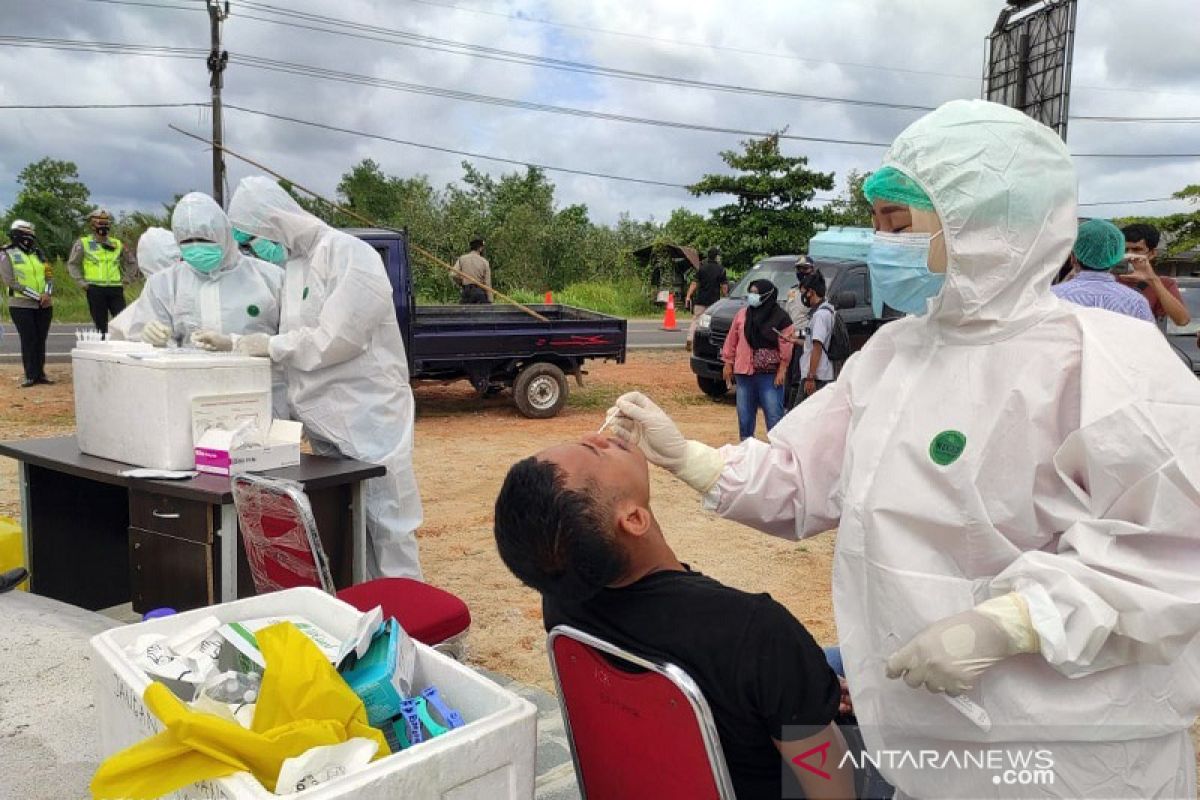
column 680, row 679
column 1028, row 60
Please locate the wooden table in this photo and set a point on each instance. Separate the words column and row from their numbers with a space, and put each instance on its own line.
column 94, row 538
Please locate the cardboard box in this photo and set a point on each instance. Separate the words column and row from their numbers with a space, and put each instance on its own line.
column 216, row 455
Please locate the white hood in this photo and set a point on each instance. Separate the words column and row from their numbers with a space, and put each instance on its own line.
column 262, row 208
column 1004, row 188
column 197, row 216
column 156, row 251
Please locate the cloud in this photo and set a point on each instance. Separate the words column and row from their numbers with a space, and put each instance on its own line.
column 909, row 51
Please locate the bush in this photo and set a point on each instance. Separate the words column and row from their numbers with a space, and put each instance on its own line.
column 621, row 298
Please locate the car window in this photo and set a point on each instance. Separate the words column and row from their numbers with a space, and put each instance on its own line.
column 1191, row 298
column 856, row 282
column 782, row 274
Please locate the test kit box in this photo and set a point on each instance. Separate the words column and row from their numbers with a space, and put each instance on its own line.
column 133, row 402
column 217, row 454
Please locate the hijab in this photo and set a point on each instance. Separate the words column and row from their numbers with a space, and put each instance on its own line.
column 767, row 315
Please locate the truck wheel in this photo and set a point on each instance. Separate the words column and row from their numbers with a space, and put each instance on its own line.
column 540, row 391
column 713, row 387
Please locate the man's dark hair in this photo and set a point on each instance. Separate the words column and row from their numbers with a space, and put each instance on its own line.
column 1142, row 232
column 814, row 282
column 554, row 539
column 476, row 243
column 713, row 252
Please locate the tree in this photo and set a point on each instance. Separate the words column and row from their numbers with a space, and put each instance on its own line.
column 770, row 215
column 54, row 199
column 1185, row 228
column 853, row 210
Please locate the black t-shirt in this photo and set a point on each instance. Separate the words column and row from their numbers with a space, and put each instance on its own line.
column 709, row 279
column 758, row 667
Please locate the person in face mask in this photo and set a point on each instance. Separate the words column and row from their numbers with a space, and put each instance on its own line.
column 156, row 251
column 25, row 272
column 102, row 266
column 1015, row 483
column 259, row 247
column 757, row 356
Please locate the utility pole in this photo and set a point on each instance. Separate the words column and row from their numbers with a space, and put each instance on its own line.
column 217, row 59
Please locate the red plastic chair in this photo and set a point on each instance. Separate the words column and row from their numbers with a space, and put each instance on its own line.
column 648, row 733
column 285, row 551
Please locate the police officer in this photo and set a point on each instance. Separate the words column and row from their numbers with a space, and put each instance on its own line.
column 102, row 266
column 25, row 271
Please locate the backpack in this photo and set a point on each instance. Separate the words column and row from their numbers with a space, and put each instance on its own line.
column 838, row 347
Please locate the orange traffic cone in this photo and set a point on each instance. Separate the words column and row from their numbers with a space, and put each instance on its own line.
column 669, row 317
column 549, row 299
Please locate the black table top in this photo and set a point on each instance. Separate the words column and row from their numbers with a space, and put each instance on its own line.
column 61, row 453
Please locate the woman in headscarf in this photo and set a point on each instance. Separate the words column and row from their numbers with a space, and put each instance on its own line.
column 756, row 356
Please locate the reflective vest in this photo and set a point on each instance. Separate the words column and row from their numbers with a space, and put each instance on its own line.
column 101, row 267
column 29, row 270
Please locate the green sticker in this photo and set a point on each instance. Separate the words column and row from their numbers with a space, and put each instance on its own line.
column 305, row 295
column 946, row 447
column 252, row 310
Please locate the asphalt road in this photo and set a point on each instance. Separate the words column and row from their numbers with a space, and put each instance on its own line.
column 643, row 335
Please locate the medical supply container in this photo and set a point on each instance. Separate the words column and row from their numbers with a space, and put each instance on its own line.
column 489, row 758
column 134, row 404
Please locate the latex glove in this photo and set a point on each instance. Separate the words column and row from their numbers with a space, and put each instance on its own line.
column 156, row 333
column 637, row 420
column 253, row 344
column 950, row 654
column 212, row 340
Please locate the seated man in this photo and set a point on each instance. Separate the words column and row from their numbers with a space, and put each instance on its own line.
column 574, row 522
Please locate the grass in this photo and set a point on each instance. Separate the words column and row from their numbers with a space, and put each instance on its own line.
column 70, row 304
column 623, row 298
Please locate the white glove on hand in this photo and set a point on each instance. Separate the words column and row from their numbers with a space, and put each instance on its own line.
column 253, row 344
column 949, row 654
column 637, row 420
column 212, row 340
column 156, row 333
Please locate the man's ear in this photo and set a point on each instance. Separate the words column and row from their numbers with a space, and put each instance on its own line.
column 633, row 519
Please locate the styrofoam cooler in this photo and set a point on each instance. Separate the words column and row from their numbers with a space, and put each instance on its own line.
column 489, row 758
column 136, row 407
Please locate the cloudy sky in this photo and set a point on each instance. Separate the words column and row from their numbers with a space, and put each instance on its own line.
column 1132, row 58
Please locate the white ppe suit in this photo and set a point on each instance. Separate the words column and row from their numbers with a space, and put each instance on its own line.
column 156, row 251
column 1005, row 441
column 347, row 372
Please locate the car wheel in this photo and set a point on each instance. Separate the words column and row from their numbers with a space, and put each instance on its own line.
column 540, row 391
column 713, row 387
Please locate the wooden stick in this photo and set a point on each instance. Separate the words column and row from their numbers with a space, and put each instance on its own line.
column 369, row 223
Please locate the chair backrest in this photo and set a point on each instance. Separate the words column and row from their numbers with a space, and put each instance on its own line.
column 280, row 534
column 642, row 733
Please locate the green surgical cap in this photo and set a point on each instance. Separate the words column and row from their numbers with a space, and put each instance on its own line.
column 889, row 183
column 1099, row 244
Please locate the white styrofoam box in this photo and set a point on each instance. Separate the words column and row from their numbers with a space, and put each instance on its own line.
column 137, row 407
column 490, row 758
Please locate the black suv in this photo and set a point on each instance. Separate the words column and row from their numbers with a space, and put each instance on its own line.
column 848, row 288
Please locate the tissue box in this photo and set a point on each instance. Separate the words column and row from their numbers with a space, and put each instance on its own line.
column 214, row 454
column 383, row 676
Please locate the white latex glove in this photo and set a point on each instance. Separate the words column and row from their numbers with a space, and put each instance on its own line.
column 949, row 654
column 253, row 344
column 212, row 340
column 637, row 420
column 156, row 333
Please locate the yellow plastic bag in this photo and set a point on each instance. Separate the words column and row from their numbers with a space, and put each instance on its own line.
column 12, row 546
column 303, row 704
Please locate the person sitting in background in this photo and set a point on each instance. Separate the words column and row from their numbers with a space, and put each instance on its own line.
column 25, row 271
column 156, row 251
column 756, row 356
column 574, row 523
column 1141, row 248
column 474, row 265
column 1099, row 247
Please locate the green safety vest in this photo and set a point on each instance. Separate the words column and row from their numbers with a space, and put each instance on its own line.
column 100, row 266
column 29, row 270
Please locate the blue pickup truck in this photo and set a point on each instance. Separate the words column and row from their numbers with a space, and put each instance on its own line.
column 496, row 347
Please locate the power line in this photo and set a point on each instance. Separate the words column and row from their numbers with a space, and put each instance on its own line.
column 1137, row 119
column 1128, row 202
column 80, row 106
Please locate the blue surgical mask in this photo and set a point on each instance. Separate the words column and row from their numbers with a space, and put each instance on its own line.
column 268, row 250
column 900, row 273
column 753, row 299
column 202, row 256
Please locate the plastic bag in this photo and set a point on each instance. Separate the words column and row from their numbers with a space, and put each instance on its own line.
column 12, row 546
column 303, row 704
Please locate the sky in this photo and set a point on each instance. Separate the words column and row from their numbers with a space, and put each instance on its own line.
column 1128, row 62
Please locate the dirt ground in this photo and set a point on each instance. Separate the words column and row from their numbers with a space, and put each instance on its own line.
column 463, row 448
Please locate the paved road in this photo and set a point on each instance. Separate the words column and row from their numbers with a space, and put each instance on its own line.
column 643, row 335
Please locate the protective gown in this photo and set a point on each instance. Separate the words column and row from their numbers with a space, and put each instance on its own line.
column 347, row 372
column 1005, row 441
column 156, row 251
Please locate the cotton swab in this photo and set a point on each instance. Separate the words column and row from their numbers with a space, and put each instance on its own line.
column 609, row 420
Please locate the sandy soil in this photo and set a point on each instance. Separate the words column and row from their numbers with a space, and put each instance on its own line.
column 463, row 448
